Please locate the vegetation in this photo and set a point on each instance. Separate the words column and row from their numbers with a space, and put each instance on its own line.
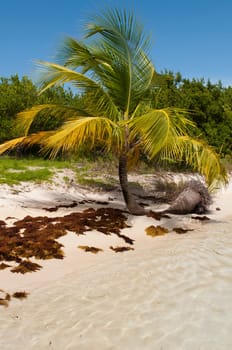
column 210, row 106
column 14, row 171
column 118, row 112
column 17, row 95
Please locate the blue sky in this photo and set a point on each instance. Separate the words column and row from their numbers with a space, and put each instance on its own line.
column 193, row 37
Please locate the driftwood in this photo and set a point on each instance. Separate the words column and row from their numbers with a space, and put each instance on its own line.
column 194, row 198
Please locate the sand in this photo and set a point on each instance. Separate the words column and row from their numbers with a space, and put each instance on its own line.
column 173, row 292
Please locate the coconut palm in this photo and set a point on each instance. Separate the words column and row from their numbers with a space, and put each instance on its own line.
column 111, row 66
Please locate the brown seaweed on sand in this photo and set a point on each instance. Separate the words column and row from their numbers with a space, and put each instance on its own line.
column 5, row 298
column 155, row 231
column 2, row 223
column 121, row 249
column 90, row 249
column 20, row 295
column 37, row 236
column 4, row 302
column 26, row 266
column 201, row 218
column 126, row 238
column 4, row 266
column 71, row 205
column 157, row 215
column 180, row 230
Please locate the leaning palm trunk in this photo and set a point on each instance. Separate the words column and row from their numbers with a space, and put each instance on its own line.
column 133, row 207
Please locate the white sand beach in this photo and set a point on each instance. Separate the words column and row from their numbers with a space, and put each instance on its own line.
column 172, row 292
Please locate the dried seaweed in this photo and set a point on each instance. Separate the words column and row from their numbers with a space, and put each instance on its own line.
column 157, row 215
column 126, row 238
column 180, row 230
column 6, row 298
column 2, row 223
column 37, row 236
column 155, row 231
column 201, row 218
column 90, row 249
column 20, row 295
column 72, row 205
column 26, row 266
column 102, row 202
column 4, row 266
column 121, row 249
column 4, row 302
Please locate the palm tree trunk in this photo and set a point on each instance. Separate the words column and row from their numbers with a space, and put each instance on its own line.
column 133, row 207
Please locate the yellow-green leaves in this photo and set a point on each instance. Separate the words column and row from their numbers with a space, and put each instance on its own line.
column 90, row 131
column 202, row 158
column 159, row 126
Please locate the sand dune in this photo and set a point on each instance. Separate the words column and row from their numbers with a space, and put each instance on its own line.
column 171, row 292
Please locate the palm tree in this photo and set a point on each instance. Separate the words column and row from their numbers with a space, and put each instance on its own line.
column 111, row 66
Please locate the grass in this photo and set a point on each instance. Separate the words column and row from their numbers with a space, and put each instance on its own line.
column 13, row 171
column 88, row 172
column 101, row 184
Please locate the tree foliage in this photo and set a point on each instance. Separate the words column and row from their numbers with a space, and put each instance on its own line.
column 18, row 94
column 210, row 107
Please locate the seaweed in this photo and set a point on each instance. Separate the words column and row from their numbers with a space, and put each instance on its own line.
column 36, row 237
column 4, row 266
column 20, row 295
column 157, row 215
column 90, row 249
column 156, row 231
column 201, row 218
column 180, row 230
column 6, row 298
column 121, row 249
column 26, row 266
column 2, row 223
column 126, row 238
column 4, row 302
column 72, row 205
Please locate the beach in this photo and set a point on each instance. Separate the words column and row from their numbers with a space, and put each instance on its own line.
column 170, row 292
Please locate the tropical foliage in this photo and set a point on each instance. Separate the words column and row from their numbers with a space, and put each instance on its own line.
column 111, row 66
column 18, row 94
column 210, row 106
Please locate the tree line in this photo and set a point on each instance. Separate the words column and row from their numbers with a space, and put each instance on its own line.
column 209, row 105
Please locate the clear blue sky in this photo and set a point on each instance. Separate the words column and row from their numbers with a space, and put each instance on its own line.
column 193, row 37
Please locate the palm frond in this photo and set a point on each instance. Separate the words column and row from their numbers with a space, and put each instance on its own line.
column 123, row 41
column 158, row 126
column 76, row 55
column 9, row 145
column 89, row 130
column 24, row 141
column 118, row 27
column 54, row 74
column 203, row 159
column 25, row 119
